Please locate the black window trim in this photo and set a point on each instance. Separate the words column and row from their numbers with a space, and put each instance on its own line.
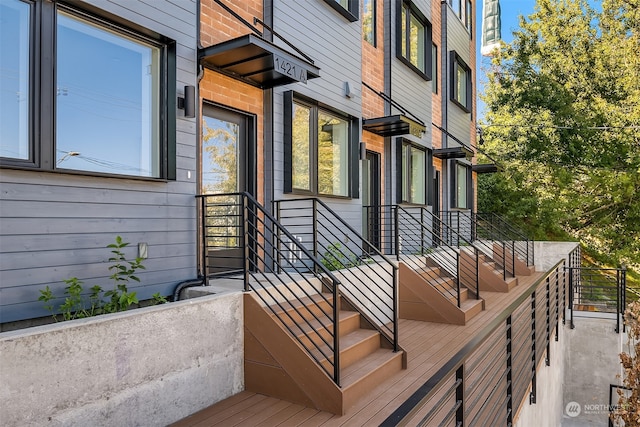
column 374, row 23
column 413, row 9
column 42, row 83
column 434, row 67
column 353, row 186
column 454, row 59
column 401, row 143
column 454, row 187
column 351, row 14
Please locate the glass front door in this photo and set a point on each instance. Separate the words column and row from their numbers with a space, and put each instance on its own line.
column 371, row 198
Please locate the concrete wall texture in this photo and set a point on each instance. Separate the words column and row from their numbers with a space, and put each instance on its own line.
column 150, row 366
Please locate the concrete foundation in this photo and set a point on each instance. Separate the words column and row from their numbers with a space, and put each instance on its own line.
column 547, row 254
column 149, row 366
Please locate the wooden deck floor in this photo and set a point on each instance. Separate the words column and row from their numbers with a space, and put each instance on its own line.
column 429, row 346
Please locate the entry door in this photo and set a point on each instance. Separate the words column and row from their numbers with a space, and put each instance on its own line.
column 371, row 198
column 224, row 169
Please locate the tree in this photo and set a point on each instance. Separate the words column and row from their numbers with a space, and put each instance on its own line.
column 563, row 104
column 628, row 409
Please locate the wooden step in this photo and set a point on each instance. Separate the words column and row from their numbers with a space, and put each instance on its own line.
column 293, row 312
column 471, row 308
column 354, row 346
column 316, row 333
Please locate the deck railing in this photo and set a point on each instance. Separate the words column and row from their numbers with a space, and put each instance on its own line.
column 414, row 235
column 486, row 381
column 239, row 236
column 368, row 278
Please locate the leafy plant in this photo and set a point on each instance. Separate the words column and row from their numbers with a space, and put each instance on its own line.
column 628, row 409
column 77, row 306
column 337, row 258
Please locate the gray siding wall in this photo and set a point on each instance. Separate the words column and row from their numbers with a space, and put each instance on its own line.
column 458, row 39
column 334, row 44
column 409, row 89
column 56, row 226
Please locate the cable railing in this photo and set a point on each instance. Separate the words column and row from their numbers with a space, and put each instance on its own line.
column 239, row 236
column 414, row 235
column 368, row 277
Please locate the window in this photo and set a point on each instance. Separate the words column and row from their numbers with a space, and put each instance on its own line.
column 101, row 102
column 434, row 68
column 414, row 167
column 461, row 184
column 319, row 152
column 461, row 89
column 455, row 5
column 469, row 17
column 464, row 13
column 414, row 35
column 346, row 8
column 369, row 21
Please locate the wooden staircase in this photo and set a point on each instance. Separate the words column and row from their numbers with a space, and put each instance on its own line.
column 490, row 276
column 277, row 364
column 430, row 295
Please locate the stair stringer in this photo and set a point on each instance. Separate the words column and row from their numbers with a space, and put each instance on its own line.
column 489, row 280
column 278, row 366
column 418, row 300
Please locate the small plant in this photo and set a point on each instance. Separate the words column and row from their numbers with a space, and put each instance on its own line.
column 337, row 258
column 158, row 299
column 76, row 306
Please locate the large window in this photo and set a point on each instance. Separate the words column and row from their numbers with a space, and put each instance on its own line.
column 414, row 177
column 461, row 181
column 414, row 39
column 369, row 21
column 101, row 102
column 346, row 8
column 434, row 68
column 461, row 88
column 318, row 149
column 463, row 10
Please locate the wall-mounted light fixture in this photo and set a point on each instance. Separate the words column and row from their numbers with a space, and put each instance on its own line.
column 188, row 102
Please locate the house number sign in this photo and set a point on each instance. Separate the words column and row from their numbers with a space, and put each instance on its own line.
column 290, row 69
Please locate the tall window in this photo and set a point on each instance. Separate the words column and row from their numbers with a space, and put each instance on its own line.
column 434, row 68
column 414, row 174
column 414, row 37
column 102, row 104
column 318, row 149
column 469, row 17
column 369, row 21
column 461, row 183
column 461, row 86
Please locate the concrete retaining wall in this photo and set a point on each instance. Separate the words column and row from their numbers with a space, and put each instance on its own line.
column 149, row 366
column 547, row 254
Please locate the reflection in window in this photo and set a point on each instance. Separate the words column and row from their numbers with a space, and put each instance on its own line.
column 333, row 145
column 461, row 186
column 414, row 36
column 301, row 147
column 219, row 156
column 461, row 83
column 14, row 79
column 107, row 106
column 414, row 174
column 369, row 21
column 434, row 68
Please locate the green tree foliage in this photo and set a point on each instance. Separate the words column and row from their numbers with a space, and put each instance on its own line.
column 564, row 116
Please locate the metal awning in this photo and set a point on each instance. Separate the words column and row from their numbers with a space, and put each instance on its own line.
column 258, row 62
column 485, row 168
column 394, row 125
column 453, row 153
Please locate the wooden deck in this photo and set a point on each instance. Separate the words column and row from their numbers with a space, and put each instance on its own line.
column 429, row 346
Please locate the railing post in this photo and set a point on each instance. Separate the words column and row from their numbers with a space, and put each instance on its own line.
column 509, row 375
column 504, row 261
column 396, row 314
column 458, row 277
column 460, row 396
column 571, row 297
column 624, row 296
column 245, row 236
column 547, row 359
column 396, row 233
column 477, row 273
column 314, row 214
column 203, row 225
column 336, row 333
column 532, row 396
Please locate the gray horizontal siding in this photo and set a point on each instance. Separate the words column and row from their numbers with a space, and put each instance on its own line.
column 56, row 226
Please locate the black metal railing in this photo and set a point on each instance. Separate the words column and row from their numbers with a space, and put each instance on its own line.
column 368, row 278
column 614, row 405
column 495, row 236
column 600, row 290
column 239, row 236
column 487, row 381
column 414, row 235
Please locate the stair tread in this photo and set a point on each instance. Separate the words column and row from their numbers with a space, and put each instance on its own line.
column 469, row 304
column 313, row 325
column 351, row 374
column 319, row 298
column 347, row 341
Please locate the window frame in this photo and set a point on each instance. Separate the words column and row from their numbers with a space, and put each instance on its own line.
column 353, row 143
column 456, row 61
column 413, row 11
column 403, row 144
column 350, row 13
column 43, row 83
column 434, row 68
column 374, row 18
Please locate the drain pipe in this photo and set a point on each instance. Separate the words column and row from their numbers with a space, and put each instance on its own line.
column 186, row 284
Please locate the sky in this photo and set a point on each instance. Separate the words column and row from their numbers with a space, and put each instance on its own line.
column 510, row 10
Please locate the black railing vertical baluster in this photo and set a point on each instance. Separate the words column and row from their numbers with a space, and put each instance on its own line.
column 458, row 279
column 548, row 315
column 460, row 401
column 532, row 396
column 396, row 312
column 315, row 228
column 624, row 296
column 245, row 235
column 571, row 290
column 336, row 333
column 203, row 243
column 396, row 232
column 477, row 272
column 558, row 303
column 509, row 374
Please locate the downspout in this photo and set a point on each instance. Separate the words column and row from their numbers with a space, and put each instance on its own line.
column 444, row 99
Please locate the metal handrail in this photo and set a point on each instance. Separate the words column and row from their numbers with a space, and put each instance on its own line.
column 238, row 222
column 436, row 248
column 369, row 278
column 512, row 233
